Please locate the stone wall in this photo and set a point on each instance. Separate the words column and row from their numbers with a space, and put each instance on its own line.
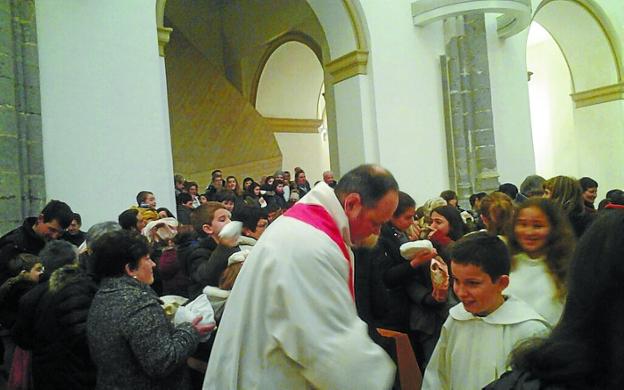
column 22, row 185
column 471, row 146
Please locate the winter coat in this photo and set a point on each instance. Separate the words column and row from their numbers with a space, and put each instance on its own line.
column 209, row 272
column 133, row 344
column 76, row 239
column 20, row 240
column 52, row 324
column 174, row 279
column 10, row 293
column 396, row 274
column 192, row 257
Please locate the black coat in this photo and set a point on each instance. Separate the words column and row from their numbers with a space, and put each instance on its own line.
column 520, row 380
column 20, row 240
column 52, row 324
column 192, row 256
column 396, row 274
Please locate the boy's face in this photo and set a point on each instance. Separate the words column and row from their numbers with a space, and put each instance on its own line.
column 35, row 273
column 221, row 218
column 479, row 294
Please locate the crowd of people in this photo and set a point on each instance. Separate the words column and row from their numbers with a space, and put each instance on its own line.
column 282, row 284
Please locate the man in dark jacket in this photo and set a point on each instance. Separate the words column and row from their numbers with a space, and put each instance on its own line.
column 33, row 234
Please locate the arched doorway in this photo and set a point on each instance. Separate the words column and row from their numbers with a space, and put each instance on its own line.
column 576, row 92
column 297, row 118
column 232, row 40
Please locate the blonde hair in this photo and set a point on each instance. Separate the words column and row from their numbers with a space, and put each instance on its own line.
column 498, row 208
column 229, row 275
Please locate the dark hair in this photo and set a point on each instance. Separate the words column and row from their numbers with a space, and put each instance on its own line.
column 56, row 254
column 405, row 202
column 166, row 210
column 225, row 196
column 451, row 214
column 59, row 211
column 611, row 193
column 485, row 251
column 533, row 185
column 214, row 173
column 22, row 262
column 249, row 216
column 448, row 195
column 371, row 182
column 141, row 196
column 616, row 197
column 77, row 218
column 114, row 250
column 189, row 184
column 474, row 197
column 184, row 197
column 509, row 189
column 128, row 219
column 587, row 183
column 585, row 350
column 247, row 179
column 559, row 243
column 250, row 190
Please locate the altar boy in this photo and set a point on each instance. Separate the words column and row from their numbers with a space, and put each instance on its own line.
column 482, row 330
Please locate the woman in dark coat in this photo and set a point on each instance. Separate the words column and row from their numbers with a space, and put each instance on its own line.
column 132, row 343
column 52, row 319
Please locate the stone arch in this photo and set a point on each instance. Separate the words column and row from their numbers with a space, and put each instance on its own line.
column 576, row 121
column 344, row 56
column 593, row 33
column 294, row 117
column 291, row 36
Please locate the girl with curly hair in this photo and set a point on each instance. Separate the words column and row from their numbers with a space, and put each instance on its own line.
column 541, row 243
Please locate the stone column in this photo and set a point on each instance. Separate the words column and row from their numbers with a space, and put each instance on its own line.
column 468, row 106
column 22, row 185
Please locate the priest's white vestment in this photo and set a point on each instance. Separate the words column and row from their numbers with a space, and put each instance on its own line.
column 290, row 321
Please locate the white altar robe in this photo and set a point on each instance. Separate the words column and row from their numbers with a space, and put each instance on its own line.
column 290, row 321
column 472, row 351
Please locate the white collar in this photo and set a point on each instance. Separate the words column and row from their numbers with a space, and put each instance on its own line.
column 512, row 311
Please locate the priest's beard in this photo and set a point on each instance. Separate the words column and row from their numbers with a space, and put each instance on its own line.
column 369, row 242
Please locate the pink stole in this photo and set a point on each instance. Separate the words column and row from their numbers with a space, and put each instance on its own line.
column 316, row 216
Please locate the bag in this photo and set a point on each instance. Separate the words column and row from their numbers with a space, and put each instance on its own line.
column 199, row 307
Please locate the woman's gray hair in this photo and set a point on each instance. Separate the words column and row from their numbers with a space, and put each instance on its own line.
column 99, row 229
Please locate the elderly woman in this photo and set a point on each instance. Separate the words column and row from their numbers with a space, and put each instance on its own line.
column 132, row 343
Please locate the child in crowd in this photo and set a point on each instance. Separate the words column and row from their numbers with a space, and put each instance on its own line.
column 26, row 270
column 208, row 259
column 481, row 331
column 541, row 243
